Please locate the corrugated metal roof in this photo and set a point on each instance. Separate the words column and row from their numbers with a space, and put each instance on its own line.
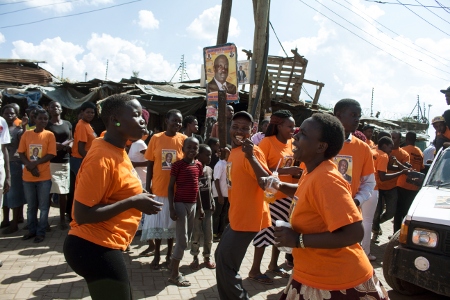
column 169, row 91
column 18, row 73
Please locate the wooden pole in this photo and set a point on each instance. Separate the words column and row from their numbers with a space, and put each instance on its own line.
column 259, row 46
column 222, row 38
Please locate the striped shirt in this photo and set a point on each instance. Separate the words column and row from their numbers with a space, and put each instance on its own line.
column 187, row 176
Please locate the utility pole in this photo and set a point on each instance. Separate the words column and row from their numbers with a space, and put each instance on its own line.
column 371, row 104
column 222, row 38
column 261, row 10
column 85, row 76
column 429, row 108
column 106, row 75
column 62, row 72
column 183, row 68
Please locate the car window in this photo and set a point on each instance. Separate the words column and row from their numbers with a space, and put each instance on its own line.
column 440, row 174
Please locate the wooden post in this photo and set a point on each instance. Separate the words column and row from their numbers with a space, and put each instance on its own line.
column 222, row 38
column 259, row 44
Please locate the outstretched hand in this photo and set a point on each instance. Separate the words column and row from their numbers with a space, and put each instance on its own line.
column 146, row 203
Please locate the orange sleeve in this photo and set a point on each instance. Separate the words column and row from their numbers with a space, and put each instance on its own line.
column 150, row 152
column 82, row 134
column 93, row 181
column 367, row 168
column 51, row 144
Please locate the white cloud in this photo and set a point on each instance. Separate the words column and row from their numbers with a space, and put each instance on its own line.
column 2, row 38
column 205, row 26
column 123, row 57
column 147, row 20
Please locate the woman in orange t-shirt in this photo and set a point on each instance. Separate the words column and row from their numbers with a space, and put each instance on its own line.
column 326, row 224
column 108, row 202
column 83, row 136
column 277, row 148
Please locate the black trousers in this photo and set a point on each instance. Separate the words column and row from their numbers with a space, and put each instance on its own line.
column 103, row 268
column 405, row 199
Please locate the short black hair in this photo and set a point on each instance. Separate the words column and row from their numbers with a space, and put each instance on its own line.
column 10, row 106
column 411, row 136
column 332, row 133
column 190, row 139
column 243, row 114
column 88, row 104
column 113, row 105
column 383, row 134
column 188, row 120
column 202, row 148
column 344, row 104
column 385, row 140
column 40, row 111
column 173, row 112
column 212, row 141
column 272, row 129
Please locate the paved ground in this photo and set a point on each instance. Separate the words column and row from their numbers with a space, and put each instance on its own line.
column 39, row 271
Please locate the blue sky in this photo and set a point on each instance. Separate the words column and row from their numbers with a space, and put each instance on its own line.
column 397, row 53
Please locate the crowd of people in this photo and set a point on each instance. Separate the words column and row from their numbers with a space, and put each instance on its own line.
column 335, row 186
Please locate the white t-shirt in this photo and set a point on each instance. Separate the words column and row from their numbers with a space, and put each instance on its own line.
column 220, row 172
column 5, row 138
column 428, row 153
column 135, row 155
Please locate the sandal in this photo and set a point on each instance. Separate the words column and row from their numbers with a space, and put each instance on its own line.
column 155, row 263
column 262, row 278
column 147, row 252
column 280, row 272
column 195, row 265
column 209, row 264
column 180, row 281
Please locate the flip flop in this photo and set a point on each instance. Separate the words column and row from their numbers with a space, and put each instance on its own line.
column 280, row 272
column 262, row 278
column 147, row 252
column 180, row 281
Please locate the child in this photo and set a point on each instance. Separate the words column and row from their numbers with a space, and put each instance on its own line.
column 182, row 203
column 220, row 193
column 136, row 155
column 36, row 174
column 204, row 225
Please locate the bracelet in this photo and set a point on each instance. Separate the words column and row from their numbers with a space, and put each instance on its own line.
column 300, row 241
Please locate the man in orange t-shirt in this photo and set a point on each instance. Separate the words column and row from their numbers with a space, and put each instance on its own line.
column 354, row 161
column 248, row 213
column 388, row 194
column 407, row 191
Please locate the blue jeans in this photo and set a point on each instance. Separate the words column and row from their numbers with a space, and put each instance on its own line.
column 37, row 195
column 75, row 164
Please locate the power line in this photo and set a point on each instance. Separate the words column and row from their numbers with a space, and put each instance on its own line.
column 442, row 58
column 16, row 2
column 278, row 39
column 358, row 27
column 412, row 66
column 407, row 4
column 447, row 9
column 422, row 18
column 433, row 12
column 34, row 7
column 71, row 15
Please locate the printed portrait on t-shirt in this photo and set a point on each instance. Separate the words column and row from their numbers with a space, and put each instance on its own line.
column 288, row 161
column 229, row 174
column 35, row 152
column 344, row 164
column 169, row 156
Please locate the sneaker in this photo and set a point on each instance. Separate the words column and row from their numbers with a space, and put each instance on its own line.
column 371, row 257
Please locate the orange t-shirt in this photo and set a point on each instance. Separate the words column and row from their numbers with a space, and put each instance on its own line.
column 83, row 133
column 158, row 151
column 107, row 176
column 380, row 163
column 403, row 157
column 359, row 161
column 17, row 122
column 274, row 150
column 371, row 144
column 42, row 143
column 248, row 211
column 416, row 161
column 325, row 204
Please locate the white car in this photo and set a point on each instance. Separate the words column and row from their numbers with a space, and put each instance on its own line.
column 417, row 257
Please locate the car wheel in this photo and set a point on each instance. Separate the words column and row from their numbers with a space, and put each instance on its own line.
column 396, row 284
